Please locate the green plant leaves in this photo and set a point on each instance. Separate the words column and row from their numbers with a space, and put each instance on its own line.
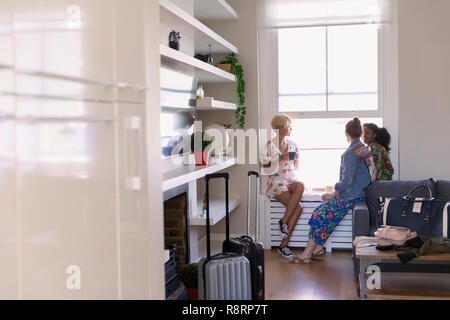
column 206, row 141
column 240, row 89
column 189, row 275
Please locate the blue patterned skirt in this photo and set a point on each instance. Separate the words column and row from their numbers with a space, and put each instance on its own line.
column 327, row 216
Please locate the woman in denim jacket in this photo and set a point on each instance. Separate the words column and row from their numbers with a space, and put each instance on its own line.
column 356, row 173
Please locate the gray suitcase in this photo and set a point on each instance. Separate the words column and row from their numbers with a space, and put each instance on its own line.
column 225, row 276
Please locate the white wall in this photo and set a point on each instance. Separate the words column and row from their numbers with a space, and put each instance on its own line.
column 424, row 95
column 243, row 34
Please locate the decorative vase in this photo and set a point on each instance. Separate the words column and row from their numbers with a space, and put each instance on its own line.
column 174, row 40
column 174, row 45
column 210, row 57
column 192, row 293
column 200, row 93
column 201, row 158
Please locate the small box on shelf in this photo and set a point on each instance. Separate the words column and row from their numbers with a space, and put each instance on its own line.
column 224, row 66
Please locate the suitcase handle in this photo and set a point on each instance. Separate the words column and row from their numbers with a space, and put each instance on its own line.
column 254, row 173
column 208, row 177
column 224, row 255
column 224, row 175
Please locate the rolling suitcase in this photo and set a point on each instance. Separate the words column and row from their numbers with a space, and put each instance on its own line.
column 252, row 249
column 225, row 276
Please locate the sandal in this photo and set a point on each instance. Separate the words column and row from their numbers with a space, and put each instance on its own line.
column 298, row 260
column 320, row 253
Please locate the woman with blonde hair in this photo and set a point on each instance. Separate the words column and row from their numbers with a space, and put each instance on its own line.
column 356, row 173
column 283, row 154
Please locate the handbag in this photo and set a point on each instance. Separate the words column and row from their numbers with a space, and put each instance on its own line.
column 425, row 216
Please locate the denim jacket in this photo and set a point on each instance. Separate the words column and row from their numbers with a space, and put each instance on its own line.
column 354, row 175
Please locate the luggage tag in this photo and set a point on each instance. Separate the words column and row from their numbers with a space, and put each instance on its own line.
column 417, row 208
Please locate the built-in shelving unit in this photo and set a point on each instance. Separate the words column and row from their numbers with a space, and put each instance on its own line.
column 214, row 10
column 196, row 37
column 203, row 36
column 203, row 71
column 209, row 104
column 216, row 210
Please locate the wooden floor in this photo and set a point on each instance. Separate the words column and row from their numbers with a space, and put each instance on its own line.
column 329, row 279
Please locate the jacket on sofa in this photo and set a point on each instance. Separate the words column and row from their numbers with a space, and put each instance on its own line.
column 420, row 246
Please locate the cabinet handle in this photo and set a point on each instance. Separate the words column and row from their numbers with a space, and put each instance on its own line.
column 133, row 180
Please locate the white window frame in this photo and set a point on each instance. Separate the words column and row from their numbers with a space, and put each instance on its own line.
column 331, row 114
column 387, row 87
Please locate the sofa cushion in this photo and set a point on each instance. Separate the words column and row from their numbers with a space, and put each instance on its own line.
column 393, row 189
column 443, row 190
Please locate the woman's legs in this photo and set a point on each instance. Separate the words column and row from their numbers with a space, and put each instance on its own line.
column 292, row 222
column 307, row 253
column 323, row 222
column 291, row 200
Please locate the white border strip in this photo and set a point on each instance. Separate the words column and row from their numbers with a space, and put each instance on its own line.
column 445, row 221
column 386, row 206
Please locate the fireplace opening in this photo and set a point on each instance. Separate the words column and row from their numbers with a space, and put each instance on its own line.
column 176, row 227
column 176, row 239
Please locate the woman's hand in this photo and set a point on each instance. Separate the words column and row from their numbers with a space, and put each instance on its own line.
column 328, row 196
column 284, row 156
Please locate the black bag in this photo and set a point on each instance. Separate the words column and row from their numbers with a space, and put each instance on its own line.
column 426, row 216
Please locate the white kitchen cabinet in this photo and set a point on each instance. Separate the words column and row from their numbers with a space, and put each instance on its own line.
column 73, row 88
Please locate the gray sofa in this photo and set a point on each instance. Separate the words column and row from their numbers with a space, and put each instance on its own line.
column 365, row 216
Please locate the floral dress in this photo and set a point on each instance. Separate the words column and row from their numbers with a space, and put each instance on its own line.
column 280, row 180
column 327, row 216
column 381, row 160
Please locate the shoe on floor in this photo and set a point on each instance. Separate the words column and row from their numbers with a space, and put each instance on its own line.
column 283, row 229
column 285, row 252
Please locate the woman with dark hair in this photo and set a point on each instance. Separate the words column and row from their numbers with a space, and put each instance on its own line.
column 378, row 140
column 357, row 171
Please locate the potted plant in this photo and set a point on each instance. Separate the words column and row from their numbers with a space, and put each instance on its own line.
column 189, row 276
column 201, row 155
column 174, row 40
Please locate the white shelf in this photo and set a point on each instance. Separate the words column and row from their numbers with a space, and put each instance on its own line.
column 205, row 10
column 209, row 104
column 173, row 178
column 203, row 71
column 216, row 209
column 177, row 19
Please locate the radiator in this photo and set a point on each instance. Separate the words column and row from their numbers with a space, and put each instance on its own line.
column 341, row 237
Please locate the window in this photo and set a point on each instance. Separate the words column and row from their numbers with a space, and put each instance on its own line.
column 321, row 143
column 328, row 68
column 177, row 95
column 326, row 75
